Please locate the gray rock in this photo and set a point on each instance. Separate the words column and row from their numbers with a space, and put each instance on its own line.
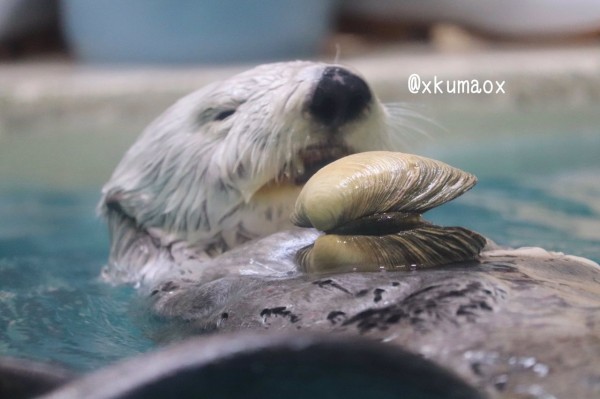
column 521, row 323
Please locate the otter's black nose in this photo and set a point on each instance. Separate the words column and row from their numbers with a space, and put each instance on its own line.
column 340, row 97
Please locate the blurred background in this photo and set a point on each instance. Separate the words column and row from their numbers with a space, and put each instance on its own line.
column 80, row 79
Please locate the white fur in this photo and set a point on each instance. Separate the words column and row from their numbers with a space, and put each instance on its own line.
column 204, row 186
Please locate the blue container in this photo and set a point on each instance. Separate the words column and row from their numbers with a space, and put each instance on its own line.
column 190, row 31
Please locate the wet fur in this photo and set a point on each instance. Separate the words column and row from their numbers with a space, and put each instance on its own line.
column 210, row 173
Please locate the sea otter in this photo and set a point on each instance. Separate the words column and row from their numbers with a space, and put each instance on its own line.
column 224, row 165
column 198, row 211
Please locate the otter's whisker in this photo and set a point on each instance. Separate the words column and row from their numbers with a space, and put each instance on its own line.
column 407, row 125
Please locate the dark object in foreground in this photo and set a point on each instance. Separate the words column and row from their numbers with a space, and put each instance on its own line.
column 21, row 379
column 272, row 366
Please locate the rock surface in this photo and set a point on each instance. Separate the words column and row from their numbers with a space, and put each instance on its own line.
column 521, row 323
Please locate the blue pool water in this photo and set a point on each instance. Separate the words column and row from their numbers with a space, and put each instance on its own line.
column 52, row 246
column 52, row 305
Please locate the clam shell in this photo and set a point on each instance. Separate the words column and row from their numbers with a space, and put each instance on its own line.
column 424, row 246
column 375, row 182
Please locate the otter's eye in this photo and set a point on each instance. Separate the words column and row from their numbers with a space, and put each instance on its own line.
column 224, row 114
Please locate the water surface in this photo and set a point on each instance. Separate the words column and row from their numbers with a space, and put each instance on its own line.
column 532, row 192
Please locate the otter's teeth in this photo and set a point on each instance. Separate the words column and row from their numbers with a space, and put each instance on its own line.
column 361, row 194
column 299, row 169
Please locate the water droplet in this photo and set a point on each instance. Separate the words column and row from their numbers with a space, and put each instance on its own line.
column 541, row 369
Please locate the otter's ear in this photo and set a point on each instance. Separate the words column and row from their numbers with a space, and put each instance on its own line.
column 112, row 202
column 120, row 202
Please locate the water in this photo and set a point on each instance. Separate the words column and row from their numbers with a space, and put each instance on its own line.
column 532, row 192
column 52, row 306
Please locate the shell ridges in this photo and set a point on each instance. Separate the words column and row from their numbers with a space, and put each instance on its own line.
column 375, row 182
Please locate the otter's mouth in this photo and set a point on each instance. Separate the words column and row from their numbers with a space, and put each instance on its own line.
column 314, row 157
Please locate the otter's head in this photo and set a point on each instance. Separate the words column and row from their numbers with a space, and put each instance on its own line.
column 225, row 163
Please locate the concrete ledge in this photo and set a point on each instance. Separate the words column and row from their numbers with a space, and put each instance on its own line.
column 69, row 124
